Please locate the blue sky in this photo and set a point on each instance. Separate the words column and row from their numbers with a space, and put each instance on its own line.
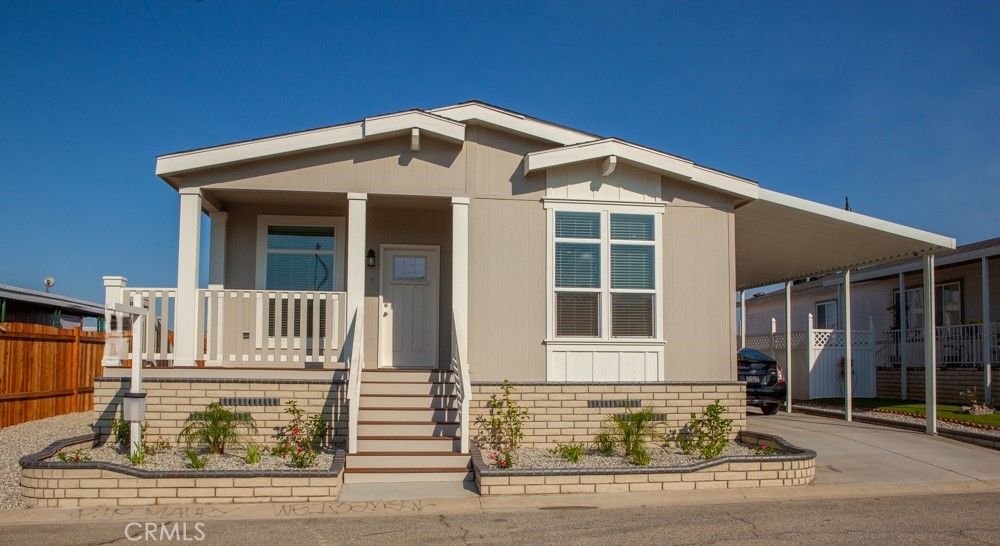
column 894, row 104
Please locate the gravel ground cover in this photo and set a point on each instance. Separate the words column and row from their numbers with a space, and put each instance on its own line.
column 27, row 438
column 175, row 458
column 896, row 417
column 670, row 455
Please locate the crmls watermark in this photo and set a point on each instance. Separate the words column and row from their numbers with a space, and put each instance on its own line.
column 165, row 532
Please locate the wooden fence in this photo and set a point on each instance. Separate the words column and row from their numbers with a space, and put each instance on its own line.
column 46, row 371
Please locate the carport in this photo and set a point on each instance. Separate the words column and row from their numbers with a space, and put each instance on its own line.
column 782, row 239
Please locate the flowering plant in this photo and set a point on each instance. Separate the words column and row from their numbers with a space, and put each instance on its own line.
column 766, row 449
column 504, row 458
column 297, row 438
column 503, row 428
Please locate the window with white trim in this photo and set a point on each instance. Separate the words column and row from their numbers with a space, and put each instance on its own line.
column 604, row 274
column 826, row 315
column 947, row 305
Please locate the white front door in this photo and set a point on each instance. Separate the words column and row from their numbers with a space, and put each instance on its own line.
column 408, row 331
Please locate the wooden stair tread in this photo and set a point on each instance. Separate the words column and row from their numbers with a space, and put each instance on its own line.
column 409, row 438
column 407, row 470
column 408, row 422
column 411, row 395
column 404, row 408
column 414, row 453
column 409, row 370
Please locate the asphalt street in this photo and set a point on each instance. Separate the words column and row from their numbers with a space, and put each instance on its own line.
column 921, row 519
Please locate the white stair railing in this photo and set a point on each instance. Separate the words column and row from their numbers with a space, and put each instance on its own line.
column 459, row 348
column 355, row 361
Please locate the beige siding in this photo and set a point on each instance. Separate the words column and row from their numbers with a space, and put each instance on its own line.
column 584, row 181
column 506, row 290
column 699, row 314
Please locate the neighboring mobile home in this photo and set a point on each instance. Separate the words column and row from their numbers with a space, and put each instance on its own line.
column 393, row 271
column 36, row 307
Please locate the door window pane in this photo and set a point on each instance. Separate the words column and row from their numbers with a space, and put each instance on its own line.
column 577, row 314
column 409, row 267
column 632, row 315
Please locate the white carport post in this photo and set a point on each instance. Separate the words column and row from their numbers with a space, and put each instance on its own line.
column 743, row 319
column 930, row 346
column 848, row 368
column 788, row 346
column 987, row 334
column 902, row 336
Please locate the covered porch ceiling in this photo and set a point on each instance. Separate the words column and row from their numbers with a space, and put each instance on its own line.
column 782, row 238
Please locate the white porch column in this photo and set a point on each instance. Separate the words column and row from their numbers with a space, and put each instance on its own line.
column 848, row 364
column 987, row 337
column 186, row 350
column 460, row 266
column 357, row 223
column 902, row 336
column 743, row 319
column 217, row 256
column 930, row 346
column 788, row 346
column 114, row 292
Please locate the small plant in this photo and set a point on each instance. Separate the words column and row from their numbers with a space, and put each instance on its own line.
column 194, row 461
column 252, row 455
column 298, row 438
column 217, row 427
column 569, row 452
column 631, row 432
column 73, row 457
column 159, row 446
column 707, row 435
column 504, row 458
column 121, row 430
column 766, row 449
column 139, row 457
column 503, row 428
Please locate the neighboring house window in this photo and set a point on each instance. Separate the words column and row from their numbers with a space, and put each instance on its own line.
column 826, row 315
column 947, row 305
column 605, row 274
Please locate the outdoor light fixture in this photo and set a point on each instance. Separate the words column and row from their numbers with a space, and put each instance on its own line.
column 371, row 258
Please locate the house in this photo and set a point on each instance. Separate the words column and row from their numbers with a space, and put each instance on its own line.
column 393, row 271
column 36, row 307
column 966, row 315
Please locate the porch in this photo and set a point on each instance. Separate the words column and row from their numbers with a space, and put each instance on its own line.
column 960, row 346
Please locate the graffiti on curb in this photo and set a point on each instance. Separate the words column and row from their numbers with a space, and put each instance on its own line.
column 325, row 508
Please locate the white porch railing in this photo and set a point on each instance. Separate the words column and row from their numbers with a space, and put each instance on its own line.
column 957, row 346
column 247, row 326
column 459, row 347
column 354, row 357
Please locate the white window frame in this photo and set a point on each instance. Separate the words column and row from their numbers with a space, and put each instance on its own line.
column 338, row 223
column 605, row 209
column 836, row 313
column 938, row 305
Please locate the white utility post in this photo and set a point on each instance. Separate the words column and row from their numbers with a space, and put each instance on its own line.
column 134, row 401
column 788, row 346
column 743, row 319
column 774, row 331
column 987, row 334
column 902, row 336
column 930, row 346
column 186, row 350
column 848, row 364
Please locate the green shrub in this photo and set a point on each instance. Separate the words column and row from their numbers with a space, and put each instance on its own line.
column 631, row 432
column 216, row 427
column 503, row 428
column 569, row 452
column 707, row 435
column 252, row 455
column 194, row 461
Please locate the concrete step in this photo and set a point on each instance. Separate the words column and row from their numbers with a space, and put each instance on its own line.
column 407, row 376
column 407, row 428
column 368, row 413
column 387, row 387
column 404, row 444
column 406, row 475
column 411, row 459
column 408, row 401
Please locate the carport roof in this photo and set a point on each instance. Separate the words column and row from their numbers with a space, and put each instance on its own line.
column 782, row 238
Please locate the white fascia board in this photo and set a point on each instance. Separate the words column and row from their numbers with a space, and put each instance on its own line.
column 405, row 122
column 257, row 149
column 932, row 239
column 512, row 122
column 916, row 265
column 643, row 158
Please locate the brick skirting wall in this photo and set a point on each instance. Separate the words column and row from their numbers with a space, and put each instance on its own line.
column 574, row 412
column 169, row 401
column 950, row 382
column 60, row 484
column 796, row 467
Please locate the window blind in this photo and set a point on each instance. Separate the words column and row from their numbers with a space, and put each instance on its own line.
column 578, row 265
column 577, row 314
column 311, row 272
column 300, row 238
column 632, row 315
column 578, row 225
column 632, row 227
column 632, row 267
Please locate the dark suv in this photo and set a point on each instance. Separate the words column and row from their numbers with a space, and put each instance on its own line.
column 765, row 382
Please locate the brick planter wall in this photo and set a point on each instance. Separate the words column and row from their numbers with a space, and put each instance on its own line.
column 798, row 467
column 950, row 382
column 58, row 484
column 574, row 412
column 169, row 401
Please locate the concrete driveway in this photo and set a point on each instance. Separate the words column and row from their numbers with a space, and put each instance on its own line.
column 858, row 453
